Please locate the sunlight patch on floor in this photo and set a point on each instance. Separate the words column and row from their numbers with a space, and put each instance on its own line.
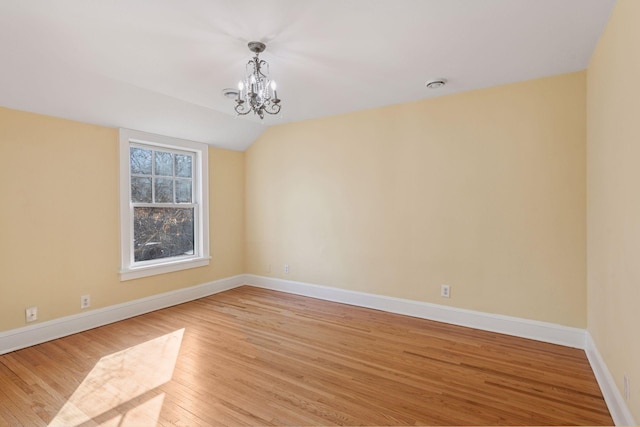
column 124, row 380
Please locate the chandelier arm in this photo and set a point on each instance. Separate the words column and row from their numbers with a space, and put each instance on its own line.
column 242, row 111
column 272, row 108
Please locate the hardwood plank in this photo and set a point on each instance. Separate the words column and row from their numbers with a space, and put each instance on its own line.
column 250, row 356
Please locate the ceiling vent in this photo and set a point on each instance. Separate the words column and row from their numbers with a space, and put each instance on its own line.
column 436, row 84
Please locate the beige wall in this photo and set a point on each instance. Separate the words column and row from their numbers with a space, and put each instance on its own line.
column 59, row 235
column 483, row 190
column 614, row 197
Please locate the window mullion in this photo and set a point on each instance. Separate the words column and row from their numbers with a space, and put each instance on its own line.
column 153, row 176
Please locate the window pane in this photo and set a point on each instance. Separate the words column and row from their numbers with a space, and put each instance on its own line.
column 164, row 163
column 140, row 161
column 183, row 191
column 183, row 166
column 164, row 190
column 162, row 233
column 140, row 189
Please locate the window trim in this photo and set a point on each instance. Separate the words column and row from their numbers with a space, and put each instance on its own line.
column 201, row 256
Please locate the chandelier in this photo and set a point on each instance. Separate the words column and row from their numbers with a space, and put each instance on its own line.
column 257, row 92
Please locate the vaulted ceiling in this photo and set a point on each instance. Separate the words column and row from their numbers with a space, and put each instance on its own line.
column 160, row 65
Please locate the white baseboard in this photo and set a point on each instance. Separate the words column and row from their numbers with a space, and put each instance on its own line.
column 26, row 336
column 532, row 329
column 615, row 402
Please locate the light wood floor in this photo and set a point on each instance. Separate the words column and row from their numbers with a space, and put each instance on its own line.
column 258, row 357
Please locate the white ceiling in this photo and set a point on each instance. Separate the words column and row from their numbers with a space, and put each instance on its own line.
column 160, row 65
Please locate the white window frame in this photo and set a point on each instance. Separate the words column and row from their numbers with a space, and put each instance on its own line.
column 129, row 269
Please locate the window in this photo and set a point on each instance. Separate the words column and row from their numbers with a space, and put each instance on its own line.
column 163, row 204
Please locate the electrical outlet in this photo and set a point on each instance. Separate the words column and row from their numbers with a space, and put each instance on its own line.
column 286, row 269
column 445, row 291
column 269, row 268
column 85, row 301
column 627, row 391
column 31, row 314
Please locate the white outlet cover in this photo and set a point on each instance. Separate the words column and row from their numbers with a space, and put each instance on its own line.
column 85, row 301
column 445, row 291
column 31, row 314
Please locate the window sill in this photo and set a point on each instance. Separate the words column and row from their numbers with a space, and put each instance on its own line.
column 152, row 270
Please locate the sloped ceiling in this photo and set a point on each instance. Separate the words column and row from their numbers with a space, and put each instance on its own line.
column 160, row 65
